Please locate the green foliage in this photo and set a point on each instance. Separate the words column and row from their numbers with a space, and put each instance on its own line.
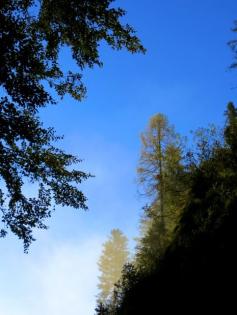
column 31, row 35
column 114, row 256
column 157, row 143
column 101, row 309
column 233, row 46
column 128, row 279
column 197, row 272
column 162, row 174
column 231, row 127
column 28, row 153
column 31, row 38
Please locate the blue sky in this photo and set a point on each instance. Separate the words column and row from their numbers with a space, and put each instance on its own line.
column 184, row 75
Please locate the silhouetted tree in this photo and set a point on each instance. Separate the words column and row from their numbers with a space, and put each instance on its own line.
column 233, row 46
column 197, row 272
column 102, row 309
column 31, row 35
column 114, row 256
column 128, row 279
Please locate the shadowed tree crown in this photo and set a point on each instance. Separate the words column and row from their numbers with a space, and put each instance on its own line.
column 32, row 32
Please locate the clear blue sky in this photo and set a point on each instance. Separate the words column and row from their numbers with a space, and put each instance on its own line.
column 184, row 75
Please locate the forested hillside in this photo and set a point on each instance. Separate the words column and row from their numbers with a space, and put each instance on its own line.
column 197, row 270
column 126, row 110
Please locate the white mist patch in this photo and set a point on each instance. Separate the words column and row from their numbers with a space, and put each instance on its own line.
column 60, row 281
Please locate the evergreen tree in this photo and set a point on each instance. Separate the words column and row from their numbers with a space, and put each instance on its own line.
column 114, row 256
column 128, row 279
column 102, row 309
column 197, row 272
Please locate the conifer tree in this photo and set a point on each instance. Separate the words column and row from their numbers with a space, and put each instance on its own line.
column 114, row 256
column 161, row 174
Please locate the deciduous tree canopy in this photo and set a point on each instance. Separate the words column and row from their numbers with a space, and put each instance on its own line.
column 31, row 35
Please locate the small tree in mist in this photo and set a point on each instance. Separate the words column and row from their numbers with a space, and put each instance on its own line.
column 114, row 256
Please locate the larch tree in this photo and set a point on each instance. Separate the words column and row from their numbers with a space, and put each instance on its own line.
column 114, row 256
column 32, row 33
column 161, row 175
column 198, row 271
column 160, row 163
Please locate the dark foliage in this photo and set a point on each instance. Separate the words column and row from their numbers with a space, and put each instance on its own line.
column 233, row 46
column 197, row 273
column 129, row 278
column 31, row 35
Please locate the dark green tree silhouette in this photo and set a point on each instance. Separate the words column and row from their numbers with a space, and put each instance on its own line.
column 102, row 309
column 197, row 272
column 128, row 279
column 31, row 35
column 114, row 256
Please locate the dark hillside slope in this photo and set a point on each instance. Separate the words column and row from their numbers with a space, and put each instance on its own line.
column 198, row 272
